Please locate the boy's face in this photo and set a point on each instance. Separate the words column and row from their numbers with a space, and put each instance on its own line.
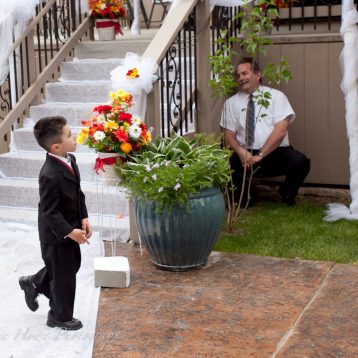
column 68, row 143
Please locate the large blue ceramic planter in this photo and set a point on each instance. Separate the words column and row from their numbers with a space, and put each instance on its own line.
column 183, row 238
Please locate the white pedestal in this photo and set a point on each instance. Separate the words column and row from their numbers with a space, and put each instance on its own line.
column 112, row 271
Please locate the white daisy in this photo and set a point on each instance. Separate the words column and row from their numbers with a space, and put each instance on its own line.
column 135, row 131
column 136, row 120
column 99, row 136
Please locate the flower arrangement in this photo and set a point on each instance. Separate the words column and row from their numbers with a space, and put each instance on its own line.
column 172, row 169
column 112, row 129
column 107, row 9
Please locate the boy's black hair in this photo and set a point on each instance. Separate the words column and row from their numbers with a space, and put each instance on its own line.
column 48, row 131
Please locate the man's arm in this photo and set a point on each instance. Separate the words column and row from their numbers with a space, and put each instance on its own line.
column 244, row 155
column 274, row 140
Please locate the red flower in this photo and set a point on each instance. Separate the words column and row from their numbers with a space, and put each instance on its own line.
column 125, row 117
column 121, row 135
column 102, row 108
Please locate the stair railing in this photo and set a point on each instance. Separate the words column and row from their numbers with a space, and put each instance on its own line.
column 181, row 100
column 35, row 57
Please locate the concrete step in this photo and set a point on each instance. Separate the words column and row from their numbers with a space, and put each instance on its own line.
column 26, row 164
column 109, row 226
column 110, row 49
column 24, row 193
column 78, row 91
column 23, row 140
column 73, row 112
column 88, row 69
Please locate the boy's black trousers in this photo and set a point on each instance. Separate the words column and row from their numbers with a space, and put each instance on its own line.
column 57, row 280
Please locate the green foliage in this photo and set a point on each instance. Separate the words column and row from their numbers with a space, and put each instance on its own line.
column 223, row 82
column 255, row 22
column 273, row 229
column 277, row 73
column 171, row 169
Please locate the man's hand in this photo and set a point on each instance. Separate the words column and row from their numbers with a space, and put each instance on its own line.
column 257, row 159
column 87, row 227
column 79, row 236
column 247, row 159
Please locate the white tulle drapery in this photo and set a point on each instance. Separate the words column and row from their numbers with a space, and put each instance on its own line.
column 229, row 2
column 14, row 18
column 349, row 62
column 136, row 23
column 138, row 87
column 213, row 3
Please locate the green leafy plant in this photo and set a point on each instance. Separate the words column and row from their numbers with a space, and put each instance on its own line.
column 171, row 169
column 256, row 23
column 223, row 82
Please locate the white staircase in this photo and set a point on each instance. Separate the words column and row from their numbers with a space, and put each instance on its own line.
column 84, row 83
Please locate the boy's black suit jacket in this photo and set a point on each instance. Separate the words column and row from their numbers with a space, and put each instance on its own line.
column 62, row 202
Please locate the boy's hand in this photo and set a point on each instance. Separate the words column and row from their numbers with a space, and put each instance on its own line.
column 79, row 236
column 87, row 227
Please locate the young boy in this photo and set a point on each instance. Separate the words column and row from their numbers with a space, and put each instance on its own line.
column 62, row 222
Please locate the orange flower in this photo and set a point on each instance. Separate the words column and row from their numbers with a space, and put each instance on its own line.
column 126, row 147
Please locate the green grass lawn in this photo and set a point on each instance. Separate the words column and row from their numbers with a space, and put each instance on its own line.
column 273, row 229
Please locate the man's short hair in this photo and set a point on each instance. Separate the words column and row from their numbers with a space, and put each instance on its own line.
column 254, row 65
column 48, row 131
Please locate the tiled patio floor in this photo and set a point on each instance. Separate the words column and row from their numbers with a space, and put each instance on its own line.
column 237, row 306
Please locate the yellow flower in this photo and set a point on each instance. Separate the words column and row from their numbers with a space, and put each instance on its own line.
column 126, row 147
column 82, row 135
column 147, row 138
column 110, row 125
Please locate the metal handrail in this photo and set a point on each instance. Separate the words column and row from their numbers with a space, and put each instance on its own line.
column 31, row 25
column 32, row 68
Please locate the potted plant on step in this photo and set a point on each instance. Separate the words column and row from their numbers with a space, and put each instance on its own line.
column 106, row 14
column 179, row 205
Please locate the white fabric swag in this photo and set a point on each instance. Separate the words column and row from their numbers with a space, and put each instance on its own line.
column 349, row 63
column 14, row 18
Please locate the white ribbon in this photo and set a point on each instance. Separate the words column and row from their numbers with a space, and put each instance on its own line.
column 349, row 85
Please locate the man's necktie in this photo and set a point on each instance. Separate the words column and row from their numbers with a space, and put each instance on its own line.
column 250, row 122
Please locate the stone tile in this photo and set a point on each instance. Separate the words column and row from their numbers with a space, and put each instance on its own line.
column 329, row 325
column 237, row 306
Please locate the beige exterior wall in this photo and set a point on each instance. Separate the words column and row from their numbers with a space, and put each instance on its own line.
column 314, row 92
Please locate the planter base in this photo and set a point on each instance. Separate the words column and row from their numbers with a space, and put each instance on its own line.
column 180, row 268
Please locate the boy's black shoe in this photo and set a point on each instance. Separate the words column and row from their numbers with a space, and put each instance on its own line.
column 72, row 325
column 31, row 293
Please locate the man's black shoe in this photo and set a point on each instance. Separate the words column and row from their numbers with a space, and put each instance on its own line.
column 287, row 199
column 30, row 292
column 72, row 325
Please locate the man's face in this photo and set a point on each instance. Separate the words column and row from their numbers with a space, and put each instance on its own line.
column 247, row 79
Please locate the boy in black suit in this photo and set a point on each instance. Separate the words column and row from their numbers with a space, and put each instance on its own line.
column 62, row 222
